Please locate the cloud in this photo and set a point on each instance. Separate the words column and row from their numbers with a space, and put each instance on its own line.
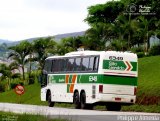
column 22, row 19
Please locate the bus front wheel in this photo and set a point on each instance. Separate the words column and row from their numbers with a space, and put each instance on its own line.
column 50, row 103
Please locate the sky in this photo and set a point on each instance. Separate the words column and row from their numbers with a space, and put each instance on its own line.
column 23, row 19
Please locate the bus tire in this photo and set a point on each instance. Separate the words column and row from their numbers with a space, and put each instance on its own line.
column 113, row 107
column 76, row 100
column 83, row 100
column 50, row 103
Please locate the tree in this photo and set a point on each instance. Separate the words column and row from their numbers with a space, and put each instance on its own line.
column 104, row 13
column 7, row 72
column 97, row 36
column 125, row 27
column 146, row 30
column 43, row 47
column 70, row 44
column 19, row 54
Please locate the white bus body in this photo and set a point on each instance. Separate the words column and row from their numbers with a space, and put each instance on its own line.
column 88, row 78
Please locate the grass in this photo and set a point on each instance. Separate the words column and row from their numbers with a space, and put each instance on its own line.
column 7, row 116
column 142, row 108
column 148, row 95
column 31, row 96
column 149, row 80
column 149, row 76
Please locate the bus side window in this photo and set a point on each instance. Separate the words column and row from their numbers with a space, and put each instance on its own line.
column 91, row 62
column 85, row 64
column 60, row 65
column 77, row 66
column 70, row 64
column 96, row 60
column 66, row 65
column 55, row 66
column 49, row 66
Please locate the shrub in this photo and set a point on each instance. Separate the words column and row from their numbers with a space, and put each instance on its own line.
column 137, row 49
column 21, row 83
column 2, row 87
column 155, row 50
column 31, row 78
column 140, row 54
column 13, row 85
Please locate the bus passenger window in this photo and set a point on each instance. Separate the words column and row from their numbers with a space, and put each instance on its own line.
column 85, row 63
column 96, row 59
column 91, row 62
column 55, row 66
column 70, row 65
column 62, row 65
column 77, row 66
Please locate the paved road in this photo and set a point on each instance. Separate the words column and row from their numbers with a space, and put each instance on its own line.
column 79, row 115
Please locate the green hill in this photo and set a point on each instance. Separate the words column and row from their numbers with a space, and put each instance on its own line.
column 149, row 80
column 148, row 87
column 31, row 96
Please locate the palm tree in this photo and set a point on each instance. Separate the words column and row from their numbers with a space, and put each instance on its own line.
column 66, row 45
column 125, row 27
column 19, row 54
column 146, row 30
column 7, row 72
column 97, row 36
column 43, row 47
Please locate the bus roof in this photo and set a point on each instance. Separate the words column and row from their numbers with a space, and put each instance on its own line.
column 88, row 52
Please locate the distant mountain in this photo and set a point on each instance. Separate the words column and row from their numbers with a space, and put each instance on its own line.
column 61, row 36
column 56, row 37
column 4, row 41
column 75, row 34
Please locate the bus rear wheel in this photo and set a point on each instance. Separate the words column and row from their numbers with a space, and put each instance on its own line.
column 113, row 107
column 50, row 103
column 76, row 100
column 83, row 100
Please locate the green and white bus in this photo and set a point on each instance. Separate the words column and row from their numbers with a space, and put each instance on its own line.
column 89, row 78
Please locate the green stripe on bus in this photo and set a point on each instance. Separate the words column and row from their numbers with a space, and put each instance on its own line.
column 92, row 78
column 78, row 78
column 57, row 78
column 120, row 80
column 96, row 78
